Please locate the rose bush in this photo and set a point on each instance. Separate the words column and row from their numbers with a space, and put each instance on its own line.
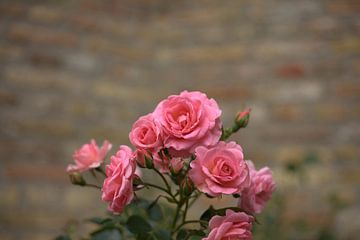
column 184, row 143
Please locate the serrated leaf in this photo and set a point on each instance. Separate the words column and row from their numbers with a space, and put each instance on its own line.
column 138, row 225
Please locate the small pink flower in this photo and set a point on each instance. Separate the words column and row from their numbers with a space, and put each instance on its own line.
column 118, row 185
column 254, row 198
column 234, row 225
column 145, row 134
column 89, row 156
column 187, row 121
column 220, row 169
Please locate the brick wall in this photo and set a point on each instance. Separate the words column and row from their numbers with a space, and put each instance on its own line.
column 72, row 70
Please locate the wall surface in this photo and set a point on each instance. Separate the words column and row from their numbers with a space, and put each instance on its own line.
column 75, row 70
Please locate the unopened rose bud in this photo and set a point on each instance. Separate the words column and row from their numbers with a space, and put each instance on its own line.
column 137, row 183
column 186, row 187
column 242, row 118
column 77, row 179
column 143, row 158
column 149, row 162
column 176, row 164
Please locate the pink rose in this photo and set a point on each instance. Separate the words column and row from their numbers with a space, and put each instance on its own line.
column 145, row 134
column 220, row 169
column 254, row 198
column 118, row 185
column 89, row 156
column 234, row 225
column 188, row 120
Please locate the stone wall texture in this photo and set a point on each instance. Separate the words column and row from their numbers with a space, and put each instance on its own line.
column 73, row 70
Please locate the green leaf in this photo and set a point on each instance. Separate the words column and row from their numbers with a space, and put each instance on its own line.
column 154, row 211
column 187, row 234
column 99, row 220
column 138, row 225
column 163, row 234
column 207, row 215
column 107, row 234
column 63, row 237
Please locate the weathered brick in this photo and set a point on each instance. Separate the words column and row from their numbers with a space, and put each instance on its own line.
column 27, row 172
column 209, row 54
column 12, row 9
column 25, row 33
column 45, row 14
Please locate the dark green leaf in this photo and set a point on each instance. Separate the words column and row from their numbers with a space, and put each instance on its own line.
column 163, row 234
column 154, row 211
column 186, row 234
column 136, row 224
column 99, row 220
column 207, row 215
column 107, row 234
column 63, row 237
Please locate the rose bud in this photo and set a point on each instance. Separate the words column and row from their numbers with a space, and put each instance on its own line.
column 77, row 179
column 176, row 165
column 242, row 118
column 186, row 187
column 143, row 158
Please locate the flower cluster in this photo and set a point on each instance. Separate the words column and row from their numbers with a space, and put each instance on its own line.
column 183, row 138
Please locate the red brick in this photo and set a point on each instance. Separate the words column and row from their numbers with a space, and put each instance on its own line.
column 291, row 71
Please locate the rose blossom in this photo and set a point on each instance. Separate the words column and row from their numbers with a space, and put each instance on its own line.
column 254, row 198
column 188, row 120
column 234, row 225
column 89, row 156
column 220, row 169
column 118, row 186
column 145, row 134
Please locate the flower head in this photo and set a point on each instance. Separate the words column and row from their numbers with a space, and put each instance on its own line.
column 220, row 169
column 234, row 225
column 254, row 198
column 89, row 156
column 118, row 185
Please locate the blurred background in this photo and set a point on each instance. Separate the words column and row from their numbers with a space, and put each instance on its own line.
column 75, row 70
